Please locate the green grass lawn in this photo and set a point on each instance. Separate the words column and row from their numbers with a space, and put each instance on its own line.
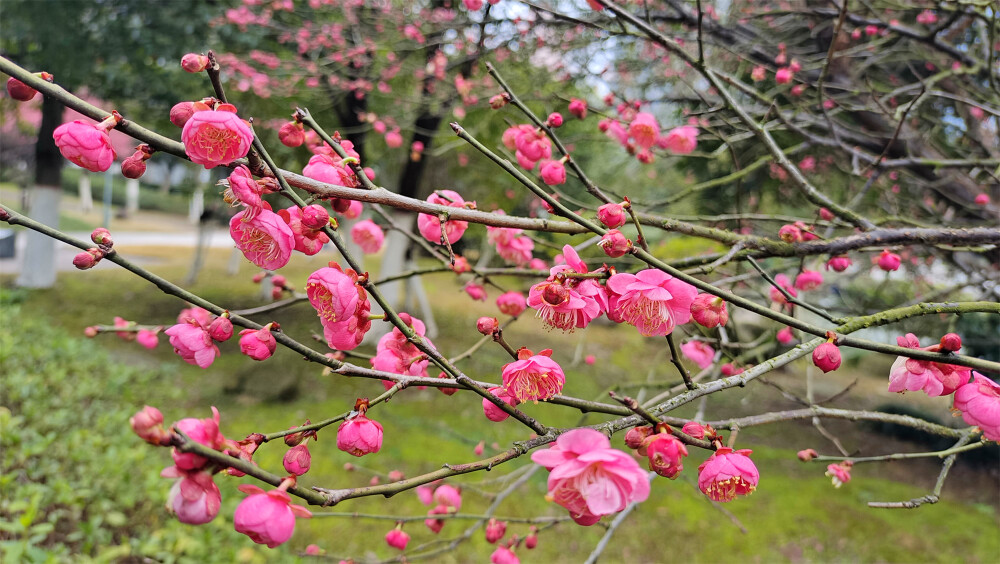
column 67, row 400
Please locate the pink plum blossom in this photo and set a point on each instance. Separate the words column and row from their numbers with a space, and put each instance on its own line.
column 264, row 240
column 838, row 263
column 494, row 413
column 308, row 240
column 934, row 378
column 194, row 498
column 699, row 353
column 979, row 403
column 397, row 539
column 681, row 140
column 665, row 453
column 503, row 554
column 578, row 108
column 267, row 517
column 147, row 338
column 644, row 129
column 193, row 344
column 533, row 377
column 430, row 225
column 511, row 303
column 888, row 261
column 651, row 300
column 589, row 478
column 495, row 530
column 205, row 431
column 297, row 459
column 826, row 357
column 359, row 435
column 808, row 280
column 216, row 137
column 785, row 336
column 612, row 215
column 395, row 353
column 243, row 189
column 341, row 304
column 553, row 173
column 569, row 304
column 615, row 244
column 368, row 235
column 727, row 474
column 839, row 473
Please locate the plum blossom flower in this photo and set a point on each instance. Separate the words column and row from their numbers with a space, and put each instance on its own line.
column 934, row 378
column 368, row 235
column 589, row 478
column 87, row 145
column 194, row 499
column 264, row 240
column 148, row 424
column 681, row 140
column 612, row 215
column 727, row 474
column 216, row 137
column 267, row 517
column 193, row 344
column 396, row 354
column 308, row 240
column 979, row 403
column 503, row 554
column 430, row 226
column 330, row 169
column 808, row 280
column 553, row 173
column 838, row 263
column 699, row 353
column 888, row 261
column 341, row 304
column 665, row 453
column 651, row 300
column 205, row 431
column 644, row 129
column 397, row 538
column 840, row 473
column 243, row 189
column 494, row 413
column 568, row 304
column 511, row 303
column 533, row 377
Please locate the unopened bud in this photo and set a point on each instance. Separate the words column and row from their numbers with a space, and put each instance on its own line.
column 90, row 332
column 278, row 281
column 194, row 62
column 276, row 293
column 292, row 134
column 499, row 101
column 487, row 325
column 615, row 244
column 951, row 342
column 258, row 277
column 221, row 329
column 315, row 216
column 133, row 167
column 148, row 424
column 102, row 236
column 181, row 112
column 807, row 454
column 555, row 119
column 88, row 259
column 19, row 90
column 531, row 541
column 635, row 436
column 297, row 460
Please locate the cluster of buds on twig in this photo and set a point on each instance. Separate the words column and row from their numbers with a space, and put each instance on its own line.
column 89, row 258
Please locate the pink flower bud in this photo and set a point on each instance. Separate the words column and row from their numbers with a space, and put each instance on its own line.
column 785, row 336
column 951, row 342
column 807, row 454
column 612, row 215
column 578, row 108
column 826, row 357
column 503, row 554
column 221, row 329
column 840, row 473
column 982, row 199
column 397, row 539
column 194, row 499
column 476, row 291
column 826, row 214
column 783, row 76
column 495, row 530
column 90, row 332
column 19, row 90
column 728, row 369
column 494, row 413
column 709, row 311
column 279, row 281
column 258, row 344
column 531, row 541
column 478, row 451
column 181, row 112
column 589, row 359
column 553, row 173
column 267, row 517
column 257, row 278
column 665, row 453
column 636, row 435
column 148, row 424
column 101, row 236
column 487, row 325
column 808, row 280
column 694, row 429
column 147, row 338
column 461, row 265
column 88, row 259
column 888, row 261
column 133, row 167
column 498, row 101
column 315, row 217
column 87, row 145
column 292, row 134
column 790, row 233
column 555, row 119
column 194, row 62
column 314, row 550
column 297, row 460
column 615, row 244
column 838, row 263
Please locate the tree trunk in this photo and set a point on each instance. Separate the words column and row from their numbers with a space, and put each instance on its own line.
column 39, row 266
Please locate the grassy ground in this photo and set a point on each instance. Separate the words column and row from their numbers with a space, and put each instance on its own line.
column 794, row 516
